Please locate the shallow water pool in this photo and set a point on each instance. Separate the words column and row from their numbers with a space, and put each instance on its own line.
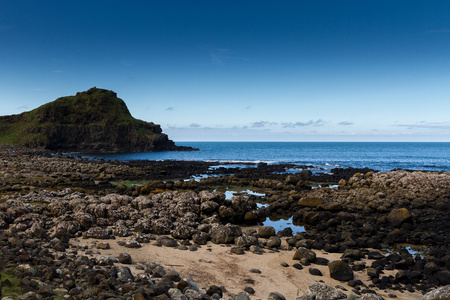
column 281, row 224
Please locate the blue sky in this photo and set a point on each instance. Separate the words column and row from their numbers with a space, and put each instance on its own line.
column 230, row 70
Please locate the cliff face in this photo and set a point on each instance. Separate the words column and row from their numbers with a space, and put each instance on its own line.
column 91, row 121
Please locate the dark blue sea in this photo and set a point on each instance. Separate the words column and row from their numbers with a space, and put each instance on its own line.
column 321, row 155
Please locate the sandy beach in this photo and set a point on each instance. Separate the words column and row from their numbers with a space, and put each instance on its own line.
column 213, row 264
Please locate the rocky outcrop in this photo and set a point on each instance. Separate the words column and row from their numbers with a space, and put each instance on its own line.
column 92, row 121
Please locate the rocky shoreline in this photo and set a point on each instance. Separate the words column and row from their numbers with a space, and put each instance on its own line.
column 50, row 203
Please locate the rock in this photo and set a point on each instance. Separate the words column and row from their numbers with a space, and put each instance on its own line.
column 354, row 254
column 103, row 246
column 225, row 234
column 286, row 232
column 321, row 261
column 442, row 293
column 183, row 232
column 399, row 216
column 124, row 275
column 315, row 272
column 45, row 291
column 340, row 270
column 97, row 233
column 162, row 225
column 255, row 249
column 172, row 276
column 214, row 289
column 276, row 296
column 310, row 202
column 103, row 260
column 132, row 244
column 266, row 231
column 321, row 291
column 246, row 240
column 242, row 296
column 304, row 253
column 354, row 282
column 237, row 250
column 187, row 283
column 273, row 242
column 443, row 277
column 371, row 297
column 201, row 238
column 125, row 258
column 192, row 294
column 168, row 242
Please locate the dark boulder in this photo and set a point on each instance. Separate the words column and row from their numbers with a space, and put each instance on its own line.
column 340, row 270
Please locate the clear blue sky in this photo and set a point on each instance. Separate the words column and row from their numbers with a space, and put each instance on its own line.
column 343, row 70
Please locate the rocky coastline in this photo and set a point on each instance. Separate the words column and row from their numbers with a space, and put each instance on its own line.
column 61, row 216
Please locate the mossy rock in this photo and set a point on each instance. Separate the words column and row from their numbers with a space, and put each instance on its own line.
column 399, row 216
column 310, row 202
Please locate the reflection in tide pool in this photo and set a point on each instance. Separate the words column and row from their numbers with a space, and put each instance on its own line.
column 282, row 224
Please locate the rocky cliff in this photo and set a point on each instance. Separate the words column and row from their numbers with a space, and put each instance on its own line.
column 92, row 121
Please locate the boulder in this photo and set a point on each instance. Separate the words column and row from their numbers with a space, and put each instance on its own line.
column 183, row 232
column 162, row 225
column 371, row 297
column 321, row 291
column 124, row 275
column 399, row 216
column 266, row 231
column 273, row 242
column 225, row 234
column 201, row 238
column 304, row 253
column 125, row 258
column 97, row 233
column 442, row 293
column 246, row 240
column 340, row 270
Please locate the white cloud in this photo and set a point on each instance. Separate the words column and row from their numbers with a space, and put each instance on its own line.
column 318, row 122
column 345, row 123
column 262, row 124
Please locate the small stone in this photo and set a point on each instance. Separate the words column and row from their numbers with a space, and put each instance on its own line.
column 315, row 272
column 237, row 250
column 125, row 258
column 256, row 271
column 103, row 246
column 276, row 296
column 242, row 296
column 249, row 290
column 284, row 264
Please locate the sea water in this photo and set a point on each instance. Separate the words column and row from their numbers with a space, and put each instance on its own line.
column 321, row 155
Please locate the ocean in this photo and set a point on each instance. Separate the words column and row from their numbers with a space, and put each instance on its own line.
column 322, row 156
